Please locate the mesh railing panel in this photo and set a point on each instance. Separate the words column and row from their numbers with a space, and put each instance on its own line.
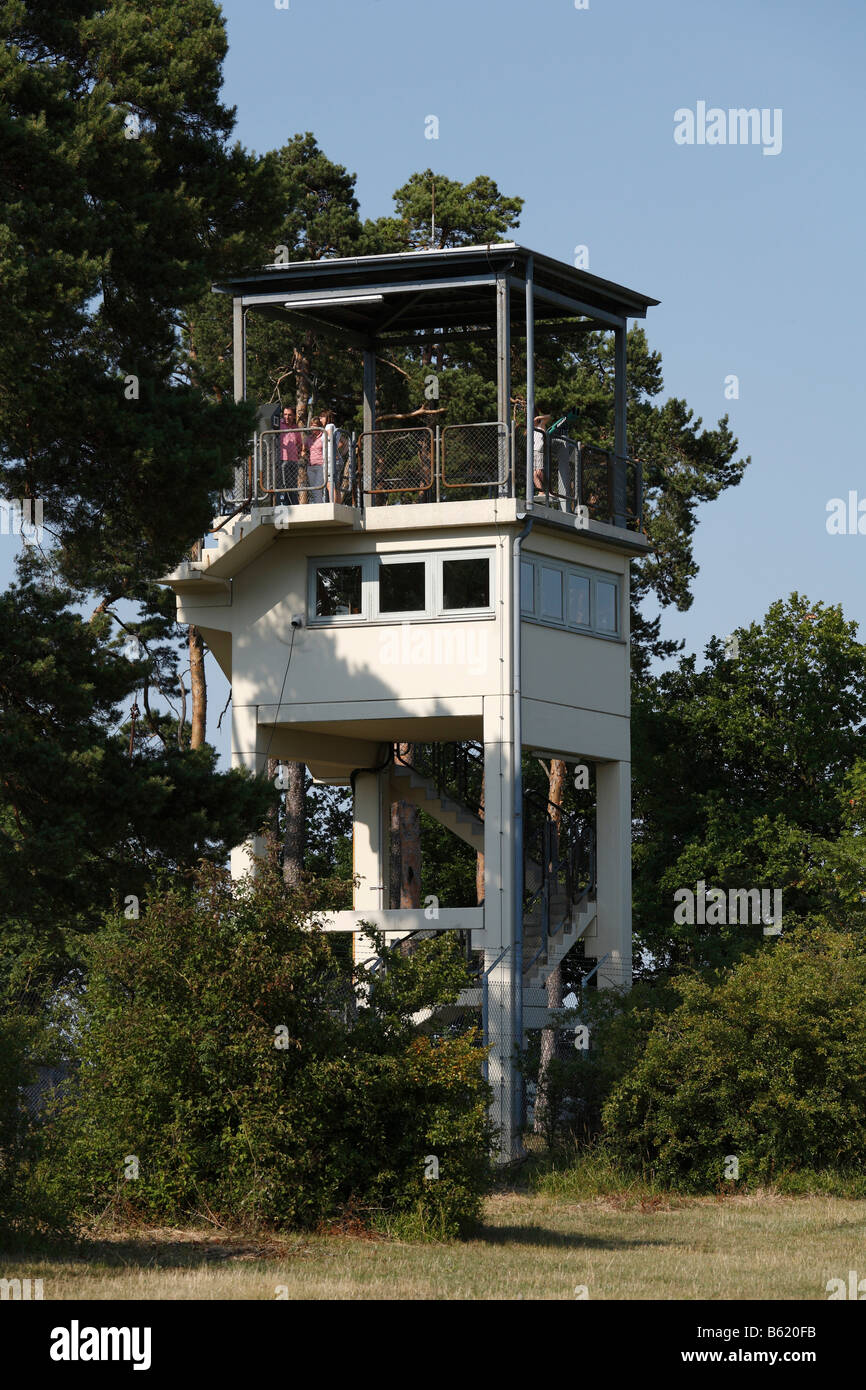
column 398, row 463
column 634, row 494
column 241, row 489
column 597, row 482
column 563, row 472
column 475, row 459
column 292, row 465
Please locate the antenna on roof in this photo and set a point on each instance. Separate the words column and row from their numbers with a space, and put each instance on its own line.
column 433, row 214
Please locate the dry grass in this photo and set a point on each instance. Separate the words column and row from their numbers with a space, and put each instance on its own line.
column 619, row 1245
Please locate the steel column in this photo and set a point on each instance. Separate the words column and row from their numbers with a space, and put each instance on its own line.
column 369, row 422
column 620, row 446
column 530, row 380
column 503, row 349
column 239, row 350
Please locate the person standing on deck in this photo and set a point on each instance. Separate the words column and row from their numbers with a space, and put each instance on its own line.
column 291, row 449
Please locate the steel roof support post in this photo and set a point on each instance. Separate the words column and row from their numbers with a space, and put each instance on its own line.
column 239, row 350
column 530, row 380
column 369, row 424
column 620, row 447
column 243, row 486
column 503, row 349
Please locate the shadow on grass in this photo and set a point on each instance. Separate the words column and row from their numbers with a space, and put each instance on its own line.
column 568, row 1240
column 158, row 1251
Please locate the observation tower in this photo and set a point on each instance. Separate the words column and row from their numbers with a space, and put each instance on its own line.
column 460, row 590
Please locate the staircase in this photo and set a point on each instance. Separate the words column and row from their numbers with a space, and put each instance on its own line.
column 559, row 859
column 409, row 785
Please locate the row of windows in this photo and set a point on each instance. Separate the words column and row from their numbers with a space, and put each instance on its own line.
column 567, row 596
column 374, row 587
column 400, row 586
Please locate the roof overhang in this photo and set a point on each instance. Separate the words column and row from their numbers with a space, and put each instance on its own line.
column 399, row 298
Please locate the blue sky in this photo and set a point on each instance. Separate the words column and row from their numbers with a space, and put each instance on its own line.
column 756, row 258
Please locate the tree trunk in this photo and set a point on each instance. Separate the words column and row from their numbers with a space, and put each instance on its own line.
column 198, row 687
column 295, row 834
column 395, row 871
column 556, row 786
column 301, row 364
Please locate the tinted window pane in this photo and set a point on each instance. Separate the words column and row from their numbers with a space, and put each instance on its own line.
column 401, row 588
column 527, row 595
column 551, row 594
column 466, row 583
column 605, row 606
column 338, row 590
column 578, row 600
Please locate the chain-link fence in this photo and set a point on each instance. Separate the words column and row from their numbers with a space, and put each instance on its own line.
column 295, row 466
column 475, row 459
column 399, row 464
column 417, row 464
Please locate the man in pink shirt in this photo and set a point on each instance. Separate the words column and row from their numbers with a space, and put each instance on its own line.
column 291, row 451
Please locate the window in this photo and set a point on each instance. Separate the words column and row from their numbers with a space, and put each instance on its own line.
column 338, row 591
column 551, row 593
column 567, row 596
column 605, row 606
column 466, row 583
column 394, row 587
column 578, row 600
column 527, row 586
column 402, row 586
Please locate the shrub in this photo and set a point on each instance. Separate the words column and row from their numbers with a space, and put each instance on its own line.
column 765, row 1063
column 224, row 1058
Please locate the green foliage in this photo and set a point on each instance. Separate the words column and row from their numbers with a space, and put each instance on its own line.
column 432, row 210
column 764, row 1064
column 178, row 1030
column 103, row 238
column 83, row 822
column 577, row 1080
column 748, row 773
column 27, row 1210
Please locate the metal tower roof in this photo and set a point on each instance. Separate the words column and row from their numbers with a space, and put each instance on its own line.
column 385, row 297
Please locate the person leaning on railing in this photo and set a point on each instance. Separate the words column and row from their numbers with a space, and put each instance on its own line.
column 318, row 481
column 291, row 452
column 540, row 424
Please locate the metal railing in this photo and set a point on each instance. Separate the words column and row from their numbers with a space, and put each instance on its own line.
column 559, row 867
column 449, row 463
column 400, row 464
column 476, row 458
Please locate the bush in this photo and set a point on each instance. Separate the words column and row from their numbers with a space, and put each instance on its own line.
column 225, row 1060
column 765, row 1064
column 25, row 1209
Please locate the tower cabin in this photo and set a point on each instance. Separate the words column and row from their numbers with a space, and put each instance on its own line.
column 413, row 587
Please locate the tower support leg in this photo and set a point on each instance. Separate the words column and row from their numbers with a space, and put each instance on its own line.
column 249, row 749
column 500, row 984
column 613, row 867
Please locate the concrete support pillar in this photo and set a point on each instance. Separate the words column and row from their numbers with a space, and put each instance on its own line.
column 501, row 983
column 613, row 863
column 249, row 750
column 370, row 850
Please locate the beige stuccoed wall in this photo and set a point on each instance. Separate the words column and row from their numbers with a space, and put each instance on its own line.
column 575, row 687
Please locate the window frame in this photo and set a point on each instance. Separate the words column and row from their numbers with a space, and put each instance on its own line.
column 470, row 553
column 405, row 614
column 317, row 562
column 370, row 562
column 595, row 577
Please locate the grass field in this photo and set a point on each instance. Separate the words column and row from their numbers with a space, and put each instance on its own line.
column 542, row 1244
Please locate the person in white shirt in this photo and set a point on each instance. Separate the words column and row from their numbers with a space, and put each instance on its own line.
column 540, row 424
